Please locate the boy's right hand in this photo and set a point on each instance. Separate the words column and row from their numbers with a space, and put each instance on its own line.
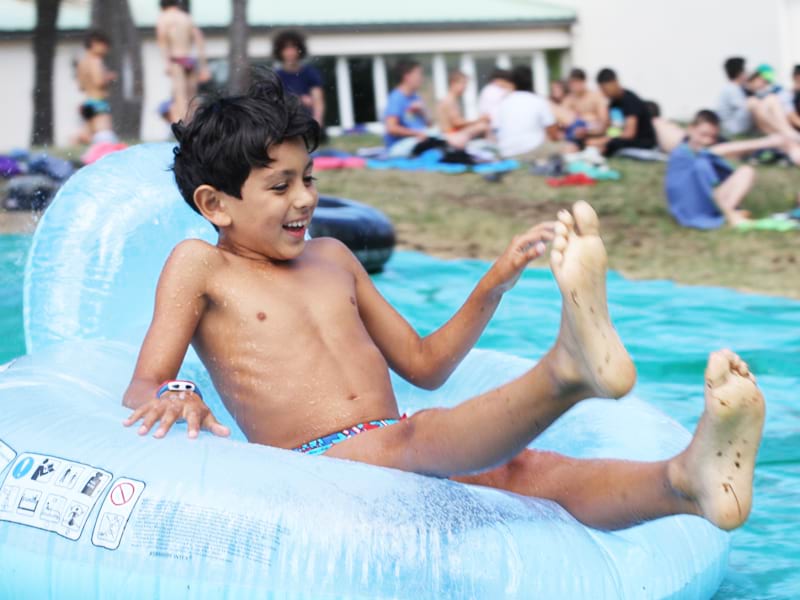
column 173, row 407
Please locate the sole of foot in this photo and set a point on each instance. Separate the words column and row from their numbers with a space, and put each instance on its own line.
column 716, row 470
column 589, row 351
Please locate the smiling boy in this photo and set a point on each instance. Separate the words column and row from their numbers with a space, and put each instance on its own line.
column 299, row 342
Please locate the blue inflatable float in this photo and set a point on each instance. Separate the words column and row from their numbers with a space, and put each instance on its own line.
column 89, row 509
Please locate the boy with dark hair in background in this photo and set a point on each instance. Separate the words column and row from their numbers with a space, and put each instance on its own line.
column 93, row 80
column 631, row 125
column 304, row 80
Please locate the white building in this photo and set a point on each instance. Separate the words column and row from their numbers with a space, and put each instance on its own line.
column 670, row 51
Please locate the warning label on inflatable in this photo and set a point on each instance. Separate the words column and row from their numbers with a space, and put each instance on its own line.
column 51, row 493
column 115, row 512
column 7, row 454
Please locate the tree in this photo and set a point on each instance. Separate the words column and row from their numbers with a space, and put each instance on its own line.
column 44, row 51
column 239, row 67
column 114, row 18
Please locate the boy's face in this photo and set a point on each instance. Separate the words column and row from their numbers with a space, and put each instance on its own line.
column 290, row 53
column 277, row 202
column 414, row 78
column 99, row 48
column 459, row 85
column 703, row 135
column 576, row 86
column 611, row 89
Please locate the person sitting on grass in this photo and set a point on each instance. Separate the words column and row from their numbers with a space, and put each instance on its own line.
column 703, row 190
column 588, row 107
column 406, row 118
column 491, row 97
column 456, row 129
column 291, row 366
column 631, row 125
column 794, row 113
column 747, row 105
column 525, row 122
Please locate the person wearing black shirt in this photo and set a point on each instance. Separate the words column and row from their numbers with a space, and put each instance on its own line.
column 631, row 122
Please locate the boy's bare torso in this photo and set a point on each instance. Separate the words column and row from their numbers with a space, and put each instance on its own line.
column 91, row 76
column 177, row 28
column 286, row 347
column 589, row 106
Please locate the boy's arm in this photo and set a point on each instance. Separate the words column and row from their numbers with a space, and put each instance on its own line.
column 428, row 362
column 163, row 41
column 180, row 303
column 202, row 61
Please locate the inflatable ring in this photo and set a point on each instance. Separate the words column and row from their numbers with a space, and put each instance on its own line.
column 365, row 230
column 91, row 509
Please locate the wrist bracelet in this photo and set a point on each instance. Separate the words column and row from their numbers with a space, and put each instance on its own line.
column 178, row 385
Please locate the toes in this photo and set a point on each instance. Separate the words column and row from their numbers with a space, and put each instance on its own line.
column 718, row 368
column 566, row 218
column 556, row 258
column 585, row 218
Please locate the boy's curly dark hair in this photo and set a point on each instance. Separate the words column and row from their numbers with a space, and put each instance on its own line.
column 227, row 137
column 290, row 37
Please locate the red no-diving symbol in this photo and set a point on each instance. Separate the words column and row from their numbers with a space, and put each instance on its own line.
column 122, row 493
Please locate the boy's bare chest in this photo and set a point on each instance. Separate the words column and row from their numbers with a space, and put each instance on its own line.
column 296, row 299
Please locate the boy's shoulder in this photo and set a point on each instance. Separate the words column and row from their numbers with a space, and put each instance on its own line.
column 331, row 250
column 193, row 251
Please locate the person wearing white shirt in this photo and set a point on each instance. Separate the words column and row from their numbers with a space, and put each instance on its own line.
column 524, row 120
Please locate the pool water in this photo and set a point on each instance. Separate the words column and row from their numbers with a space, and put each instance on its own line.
column 669, row 330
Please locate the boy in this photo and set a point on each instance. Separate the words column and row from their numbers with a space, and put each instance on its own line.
column 590, row 108
column 293, row 367
column 703, row 190
column 747, row 106
column 303, row 80
column 93, row 80
column 457, row 130
column 525, row 122
column 177, row 37
column 634, row 122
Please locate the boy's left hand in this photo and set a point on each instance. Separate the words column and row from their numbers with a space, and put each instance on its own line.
column 523, row 249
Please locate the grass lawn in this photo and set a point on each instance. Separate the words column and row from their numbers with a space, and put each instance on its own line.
column 464, row 215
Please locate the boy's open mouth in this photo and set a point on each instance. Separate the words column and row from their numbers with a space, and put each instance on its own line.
column 296, row 228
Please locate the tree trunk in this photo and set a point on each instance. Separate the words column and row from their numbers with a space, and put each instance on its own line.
column 44, row 52
column 239, row 67
column 113, row 17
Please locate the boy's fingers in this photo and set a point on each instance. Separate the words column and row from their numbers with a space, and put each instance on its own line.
column 167, row 421
column 150, row 419
column 134, row 416
column 211, row 424
column 193, row 423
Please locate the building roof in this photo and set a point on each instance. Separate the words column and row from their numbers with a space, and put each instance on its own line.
column 20, row 15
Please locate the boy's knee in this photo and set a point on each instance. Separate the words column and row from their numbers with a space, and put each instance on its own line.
column 748, row 172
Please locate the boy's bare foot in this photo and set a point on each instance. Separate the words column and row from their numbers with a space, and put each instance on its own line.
column 588, row 351
column 716, row 470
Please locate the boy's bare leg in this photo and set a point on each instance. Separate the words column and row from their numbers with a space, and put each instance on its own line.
column 180, row 95
column 770, row 117
column 730, row 194
column 588, row 359
column 712, row 478
column 668, row 134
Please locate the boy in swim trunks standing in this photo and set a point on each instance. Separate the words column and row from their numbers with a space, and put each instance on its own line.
column 178, row 38
column 299, row 342
column 93, row 79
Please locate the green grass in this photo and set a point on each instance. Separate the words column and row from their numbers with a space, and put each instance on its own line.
column 464, row 215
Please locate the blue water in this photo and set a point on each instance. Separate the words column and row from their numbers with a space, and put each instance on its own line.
column 669, row 330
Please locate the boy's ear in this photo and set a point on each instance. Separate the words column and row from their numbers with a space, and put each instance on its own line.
column 211, row 204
